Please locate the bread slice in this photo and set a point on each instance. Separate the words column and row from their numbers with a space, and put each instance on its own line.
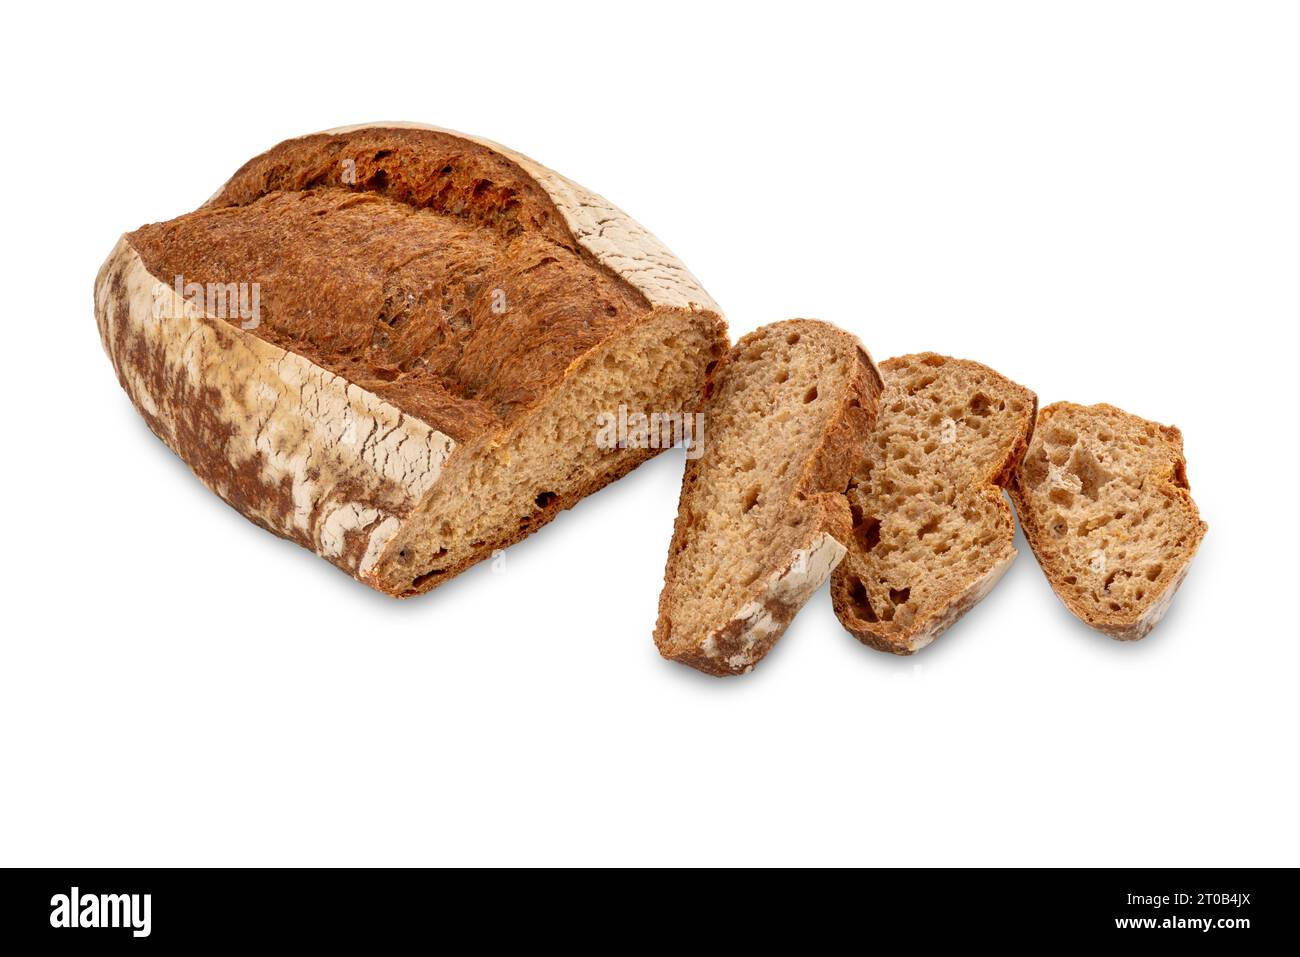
column 1105, row 505
column 440, row 324
column 762, row 518
column 932, row 531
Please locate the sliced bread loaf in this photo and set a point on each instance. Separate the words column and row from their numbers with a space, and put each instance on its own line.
column 932, row 531
column 1104, row 502
column 390, row 344
column 762, row 518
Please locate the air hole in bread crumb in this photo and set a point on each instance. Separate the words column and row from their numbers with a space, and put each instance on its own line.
column 782, row 375
column 810, row 395
column 928, row 528
column 979, row 404
column 792, row 339
column 899, row 596
column 1154, row 572
column 867, row 530
column 544, row 499
column 1084, row 465
column 427, row 577
column 861, row 603
column 750, row 498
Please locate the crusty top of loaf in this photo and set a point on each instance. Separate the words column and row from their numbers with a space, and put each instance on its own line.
column 422, row 168
column 429, row 269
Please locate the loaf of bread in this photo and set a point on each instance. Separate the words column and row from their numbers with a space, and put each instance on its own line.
column 392, row 344
column 932, row 531
column 762, row 519
column 1105, row 505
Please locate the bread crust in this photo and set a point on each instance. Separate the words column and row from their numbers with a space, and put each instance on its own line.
column 933, row 621
column 1173, row 483
column 735, row 646
column 305, row 453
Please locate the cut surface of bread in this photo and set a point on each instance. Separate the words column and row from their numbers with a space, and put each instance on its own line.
column 762, row 519
column 1105, row 505
column 439, row 325
column 932, row 532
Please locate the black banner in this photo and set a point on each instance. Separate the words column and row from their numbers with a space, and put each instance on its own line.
column 134, row 909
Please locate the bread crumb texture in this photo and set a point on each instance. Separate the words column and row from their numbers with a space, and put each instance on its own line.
column 1104, row 502
column 762, row 519
column 932, row 532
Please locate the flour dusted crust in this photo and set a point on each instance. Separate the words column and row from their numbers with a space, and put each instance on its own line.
column 293, row 447
column 305, row 452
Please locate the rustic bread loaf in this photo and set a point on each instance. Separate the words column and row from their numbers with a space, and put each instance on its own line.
column 1105, row 505
column 762, row 518
column 932, row 531
column 439, row 324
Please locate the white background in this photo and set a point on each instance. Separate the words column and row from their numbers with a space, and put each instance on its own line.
column 1100, row 200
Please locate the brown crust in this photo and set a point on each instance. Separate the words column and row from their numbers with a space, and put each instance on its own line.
column 1173, row 483
column 766, row 614
column 933, row 621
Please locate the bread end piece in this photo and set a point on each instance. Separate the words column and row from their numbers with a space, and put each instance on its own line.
column 1105, row 504
column 762, row 520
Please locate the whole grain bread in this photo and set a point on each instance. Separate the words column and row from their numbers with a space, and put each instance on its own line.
column 1105, row 505
column 762, row 519
column 932, row 531
column 440, row 322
